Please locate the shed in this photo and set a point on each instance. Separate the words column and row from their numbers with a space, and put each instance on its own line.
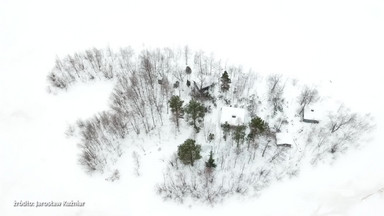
column 284, row 139
column 232, row 116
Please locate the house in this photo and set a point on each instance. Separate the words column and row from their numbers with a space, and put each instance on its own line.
column 232, row 116
column 311, row 115
column 284, row 139
column 203, row 92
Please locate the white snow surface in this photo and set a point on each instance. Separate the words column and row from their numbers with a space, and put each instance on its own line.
column 335, row 44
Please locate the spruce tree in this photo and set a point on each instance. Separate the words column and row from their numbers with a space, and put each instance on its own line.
column 189, row 152
column 211, row 162
column 195, row 114
column 225, row 81
column 177, row 110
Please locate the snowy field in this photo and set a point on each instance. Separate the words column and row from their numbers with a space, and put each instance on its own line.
column 337, row 41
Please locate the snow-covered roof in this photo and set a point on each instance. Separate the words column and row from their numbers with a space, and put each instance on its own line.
column 317, row 112
column 234, row 116
column 311, row 113
column 284, row 138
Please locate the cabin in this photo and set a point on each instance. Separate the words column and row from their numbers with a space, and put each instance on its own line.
column 311, row 115
column 203, row 92
column 233, row 116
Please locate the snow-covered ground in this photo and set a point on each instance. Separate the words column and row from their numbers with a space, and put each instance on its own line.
column 337, row 41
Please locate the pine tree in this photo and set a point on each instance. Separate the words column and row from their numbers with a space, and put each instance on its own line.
column 177, row 110
column 225, row 81
column 257, row 126
column 211, row 162
column 239, row 134
column 189, row 152
column 226, row 129
column 195, row 114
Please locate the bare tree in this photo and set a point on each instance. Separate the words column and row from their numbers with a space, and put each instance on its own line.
column 274, row 81
column 276, row 90
column 307, row 97
column 187, row 53
column 342, row 118
column 136, row 161
column 201, row 66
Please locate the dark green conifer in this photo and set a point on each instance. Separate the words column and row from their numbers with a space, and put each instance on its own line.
column 195, row 114
column 225, row 81
column 211, row 162
column 189, row 152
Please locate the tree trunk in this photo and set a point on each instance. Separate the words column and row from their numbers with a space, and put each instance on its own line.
column 266, row 146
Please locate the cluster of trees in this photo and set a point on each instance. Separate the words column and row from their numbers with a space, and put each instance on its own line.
column 100, row 141
column 225, row 172
column 89, row 65
column 138, row 95
column 273, row 162
column 241, row 84
column 145, row 83
column 275, row 93
column 189, row 152
column 195, row 112
column 256, row 127
column 204, row 184
column 207, row 68
column 342, row 130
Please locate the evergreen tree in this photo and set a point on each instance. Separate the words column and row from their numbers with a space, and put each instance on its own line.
column 211, row 162
column 225, row 81
column 195, row 114
column 188, row 70
column 257, row 126
column 211, row 137
column 177, row 110
column 189, row 152
column 239, row 134
column 226, row 128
